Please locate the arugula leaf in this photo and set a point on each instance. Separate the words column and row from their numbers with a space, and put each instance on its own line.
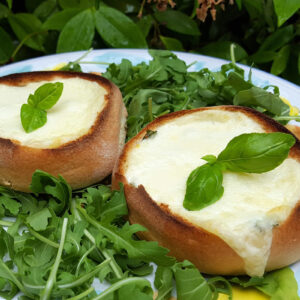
column 258, row 97
column 163, row 282
column 279, row 284
column 39, row 220
column 190, row 284
column 123, row 240
column 58, row 188
column 33, row 114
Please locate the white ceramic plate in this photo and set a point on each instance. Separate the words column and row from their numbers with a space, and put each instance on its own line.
column 288, row 90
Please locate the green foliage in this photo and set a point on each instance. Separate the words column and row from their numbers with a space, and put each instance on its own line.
column 164, row 85
column 265, row 32
column 61, row 248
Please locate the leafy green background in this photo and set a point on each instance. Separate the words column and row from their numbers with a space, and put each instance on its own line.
column 266, row 32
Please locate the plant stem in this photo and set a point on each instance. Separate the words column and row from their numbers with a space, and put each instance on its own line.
column 287, row 118
column 83, row 258
column 52, row 277
column 13, row 278
column 114, row 266
column 118, row 285
column 6, row 223
column 27, row 37
column 85, row 277
column 83, row 294
column 232, row 56
column 84, row 55
column 42, row 238
column 76, row 282
column 150, row 109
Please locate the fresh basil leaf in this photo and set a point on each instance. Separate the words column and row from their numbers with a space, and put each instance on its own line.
column 203, row 187
column 190, row 284
column 177, row 21
column 46, row 95
column 7, row 46
column 285, row 9
column 32, row 118
column 256, row 152
column 33, row 114
column 171, row 43
column 58, row 20
column 78, row 33
column 118, row 30
column 211, row 159
column 256, row 96
column 281, row 60
column 23, row 25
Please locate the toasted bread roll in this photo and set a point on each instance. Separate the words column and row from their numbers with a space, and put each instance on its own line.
column 84, row 133
column 294, row 129
column 254, row 227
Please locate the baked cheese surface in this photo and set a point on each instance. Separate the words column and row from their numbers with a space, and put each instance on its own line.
column 252, row 204
column 69, row 119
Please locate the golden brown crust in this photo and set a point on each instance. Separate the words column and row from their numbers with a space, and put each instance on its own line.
column 294, row 129
column 187, row 241
column 81, row 162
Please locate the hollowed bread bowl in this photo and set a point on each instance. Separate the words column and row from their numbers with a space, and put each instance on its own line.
column 81, row 140
column 253, row 228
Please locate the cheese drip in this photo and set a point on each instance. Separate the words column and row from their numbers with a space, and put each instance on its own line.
column 252, row 204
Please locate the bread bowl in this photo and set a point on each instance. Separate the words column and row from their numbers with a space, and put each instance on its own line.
column 254, row 228
column 81, row 140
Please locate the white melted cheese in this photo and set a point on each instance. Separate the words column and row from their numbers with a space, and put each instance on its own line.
column 252, row 204
column 69, row 119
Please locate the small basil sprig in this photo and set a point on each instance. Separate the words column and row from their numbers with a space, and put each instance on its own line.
column 249, row 153
column 33, row 113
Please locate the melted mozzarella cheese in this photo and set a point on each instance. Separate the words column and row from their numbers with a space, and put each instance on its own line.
column 69, row 119
column 252, row 204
